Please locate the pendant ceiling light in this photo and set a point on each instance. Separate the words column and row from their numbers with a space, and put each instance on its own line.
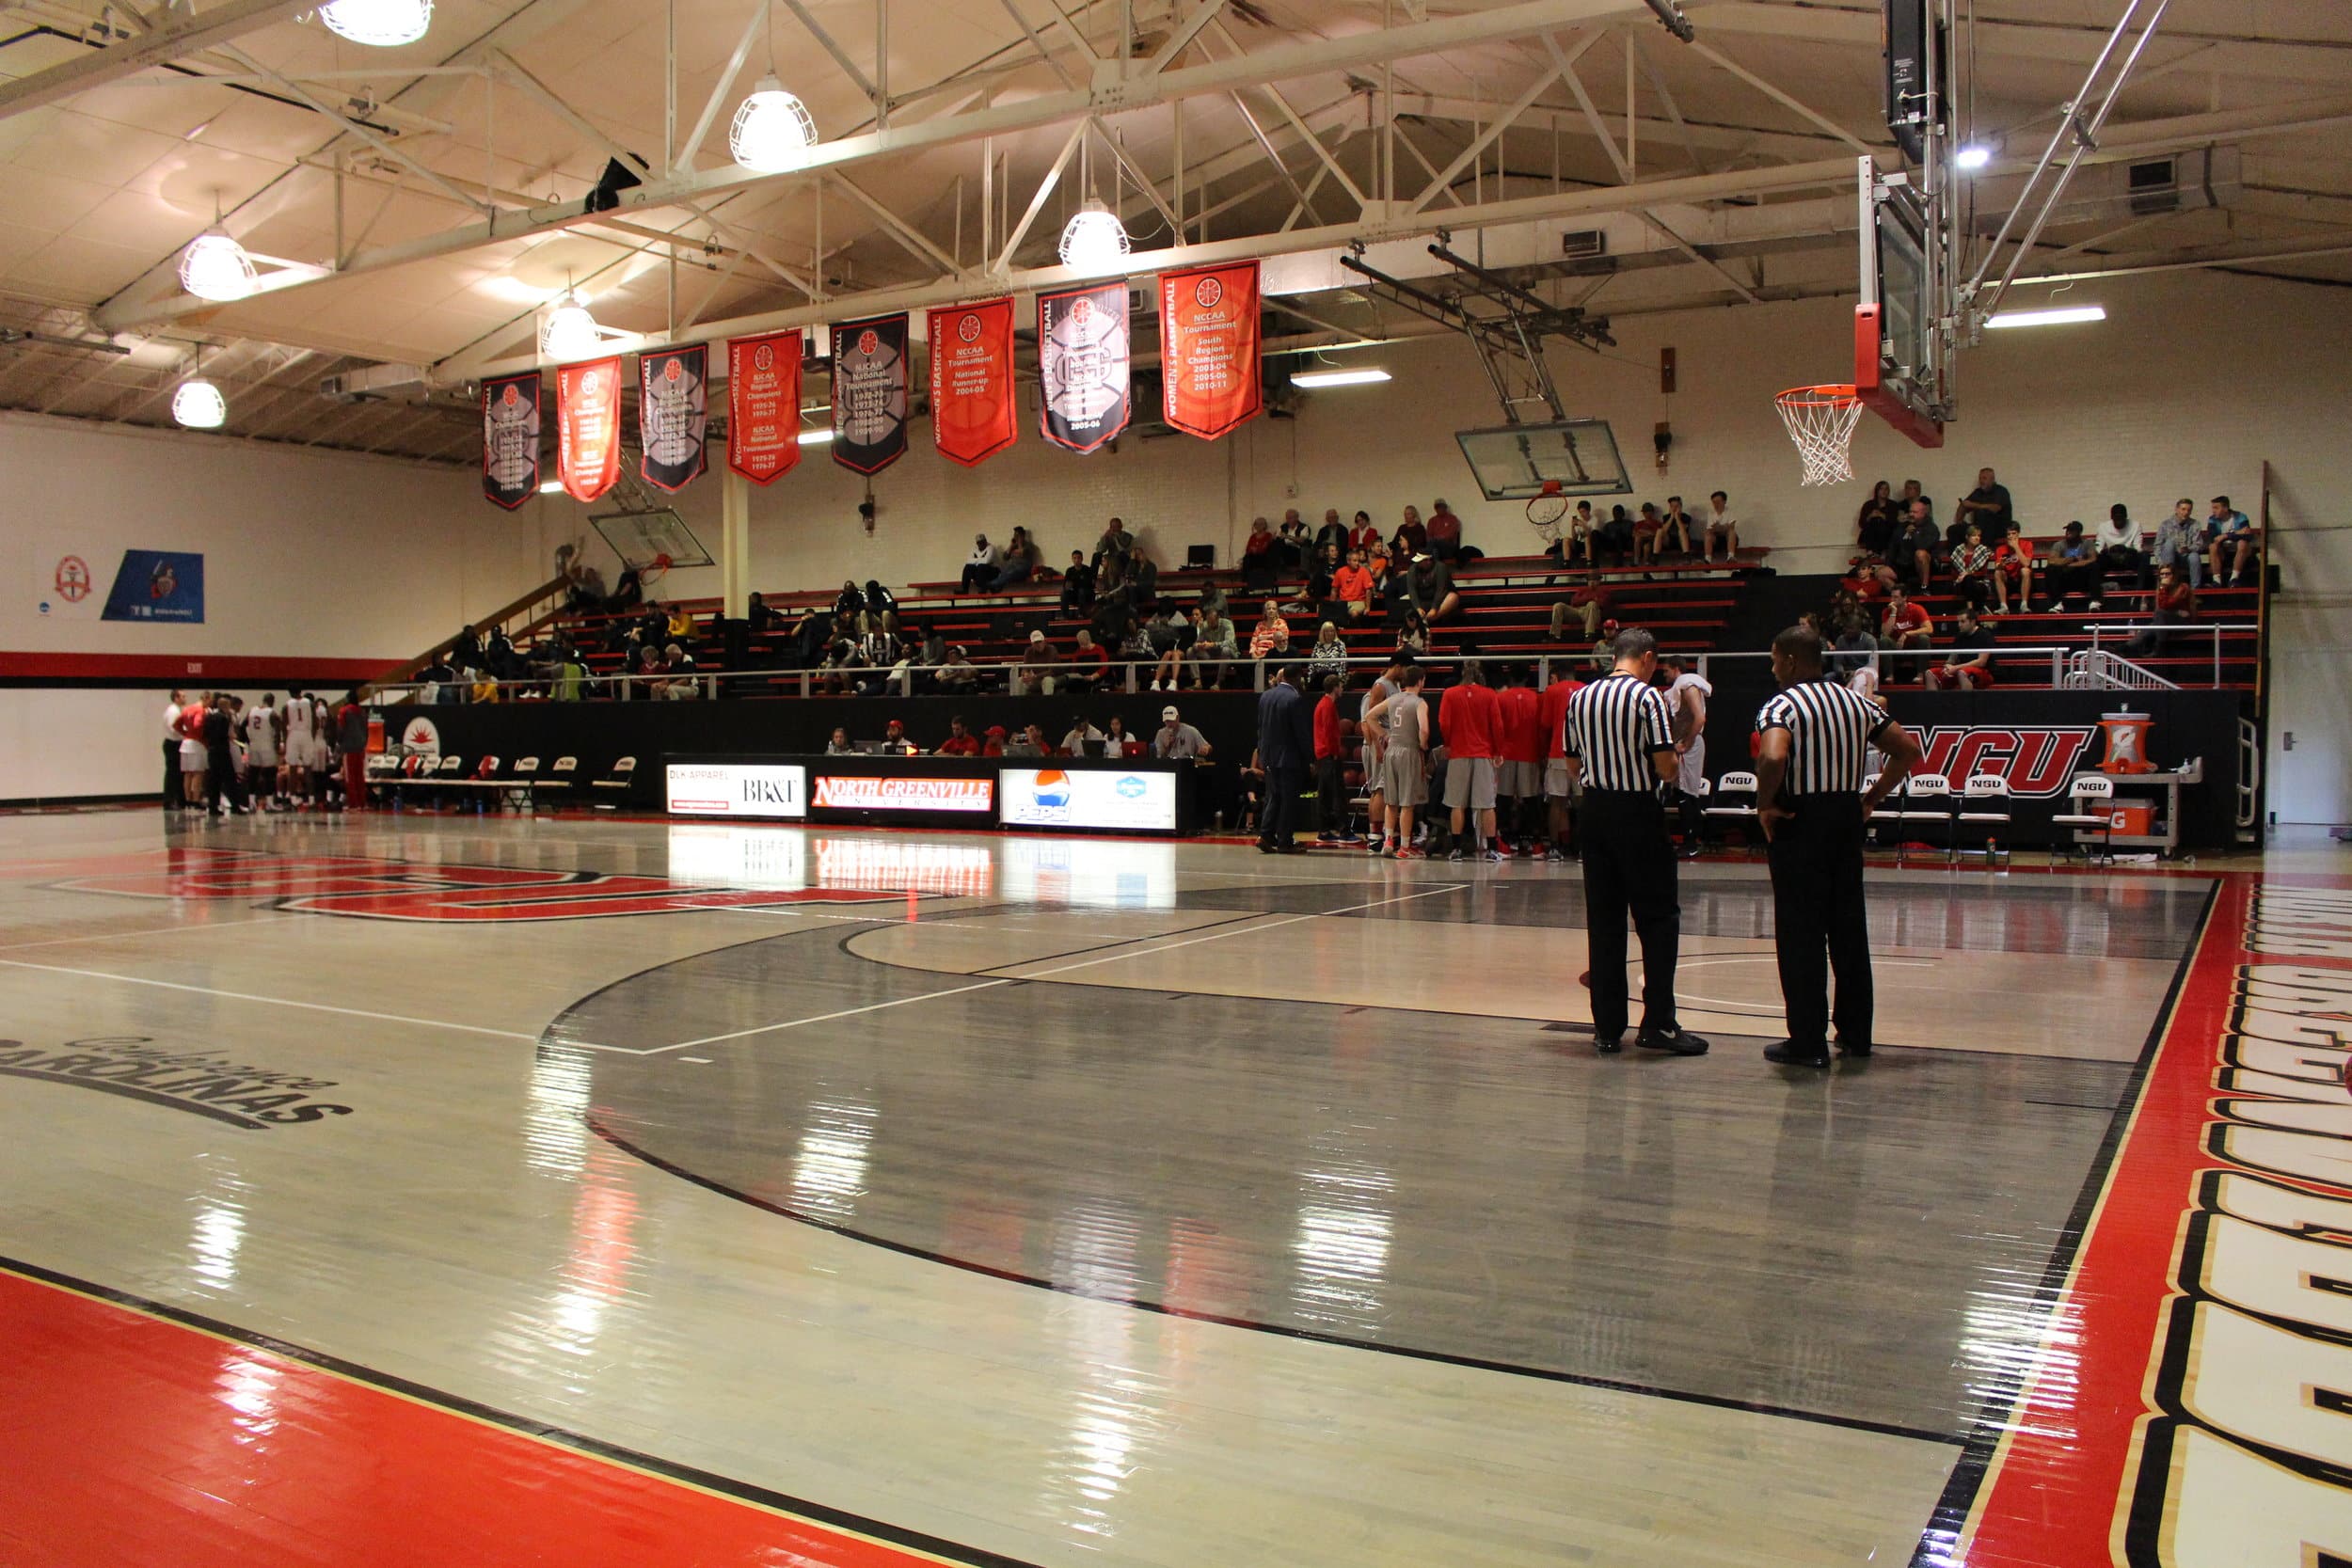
column 1095, row 240
column 198, row 404
column 571, row 332
column 772, row 130
column 383, row 24
column 215, row 267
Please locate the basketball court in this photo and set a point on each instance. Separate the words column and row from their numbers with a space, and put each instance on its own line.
column 892, row 1196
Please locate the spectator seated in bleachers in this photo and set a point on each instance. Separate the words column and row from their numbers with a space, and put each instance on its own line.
column 1988, row 506
column 1906, row 622
column 1445, row 532
column 1722, row 528
column 1321, row 576
column 961, row 742
column 982, row 566
column 1589, row 603
column 1875, row 524
column 1169, row 634
column 1327, row 659
column 1032, row 670
column 1077, row 585
column 1022, row 560
column 1333, row 533
column 1363, row 535
column 1215, row 644
column 1915, row 546
column 1972, row 568
column 1613, row 537
column 1090, row 666
column 2118, row 544
column 1673, row 528
column 1429, row 588
column 1970, row 666
column 2072, row 568
column 852, row 603
column 881, row 608
column 1291, row 544
column 1411, row 537
column 1352, row 589
column 2175, row 606
column 1271, row 637
column 1115, row 544
column 2012, row 570
column 2180, row 542
column 1412, row 637
column 959, row 674
column 2230, row 549
column 678, row 664
column 1261, row 568
column 760, row 617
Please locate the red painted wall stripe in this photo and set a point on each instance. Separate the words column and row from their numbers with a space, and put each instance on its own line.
column 250, row 669
column 136, row 1439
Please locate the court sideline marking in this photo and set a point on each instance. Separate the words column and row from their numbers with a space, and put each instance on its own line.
column 148, row 932
column 273, row 1001
column 1016, row 979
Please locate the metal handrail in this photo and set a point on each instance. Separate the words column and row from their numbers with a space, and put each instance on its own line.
column 2214, row 629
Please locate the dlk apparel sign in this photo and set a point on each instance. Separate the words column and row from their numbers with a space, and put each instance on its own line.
column 764, row 405
column 1209, row 348
column 869, row 393
column 1083, row 362
column 510, row 438
column 973, row 416
column 588, row 427
column 672, row 415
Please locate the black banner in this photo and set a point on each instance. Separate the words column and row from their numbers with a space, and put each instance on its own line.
column 510, row 438
column 869, row 393
column 1083, row 362
column 672, row 415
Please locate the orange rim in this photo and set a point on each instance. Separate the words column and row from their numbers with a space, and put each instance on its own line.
column 1819, row 397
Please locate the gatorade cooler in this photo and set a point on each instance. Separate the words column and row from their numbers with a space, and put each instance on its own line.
column 375, row 735
column 2126, row 736
column 2133, row 818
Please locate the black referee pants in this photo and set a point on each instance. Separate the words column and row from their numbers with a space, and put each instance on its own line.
column 1815, row 858
column 1629, row 867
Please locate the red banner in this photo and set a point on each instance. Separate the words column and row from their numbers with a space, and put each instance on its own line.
column 764, row 405
column 588, row 427
column 973, row 416
column 1209, row 348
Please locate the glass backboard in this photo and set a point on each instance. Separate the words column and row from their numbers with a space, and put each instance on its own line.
column 1516, row 462
column 1898, row 369
column 639, row 538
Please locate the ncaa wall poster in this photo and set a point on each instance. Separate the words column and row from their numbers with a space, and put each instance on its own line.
column 869, row 393
column 510, row 438
column 672, row 415
column 764, row 405
column 588, row 427
column 973, row 416
column 1209, row 348
column 1082, row 359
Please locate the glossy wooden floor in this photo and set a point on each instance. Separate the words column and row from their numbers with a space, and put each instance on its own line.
column 1045, row 1201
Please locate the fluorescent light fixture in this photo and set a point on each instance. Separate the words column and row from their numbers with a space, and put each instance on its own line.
column 817, row 437
column 551, row 487
column 1972, row 157
column 1338, row 378
column 2050, row 317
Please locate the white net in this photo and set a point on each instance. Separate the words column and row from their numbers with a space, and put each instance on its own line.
column 1821, row 420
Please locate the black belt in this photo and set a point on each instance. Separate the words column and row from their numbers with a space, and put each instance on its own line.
column 1591, row 790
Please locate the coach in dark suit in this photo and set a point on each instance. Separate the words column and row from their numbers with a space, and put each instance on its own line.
column 1286, row 747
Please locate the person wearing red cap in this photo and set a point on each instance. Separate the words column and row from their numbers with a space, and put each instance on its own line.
column 995, row 744
column 894, row 741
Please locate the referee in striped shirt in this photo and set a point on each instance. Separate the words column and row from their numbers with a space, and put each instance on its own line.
column 1619, row 738
column 1811, row 737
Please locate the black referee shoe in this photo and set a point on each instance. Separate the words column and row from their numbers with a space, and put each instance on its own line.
column 1608, row 1045
column 1681, row 1041
column 1845, row 1049
column 1789, row 1054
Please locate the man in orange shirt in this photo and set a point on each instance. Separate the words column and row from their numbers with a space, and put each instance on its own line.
column 1521, row 743
column 1351, row 587
column 1553, row 717
column 1469, row 718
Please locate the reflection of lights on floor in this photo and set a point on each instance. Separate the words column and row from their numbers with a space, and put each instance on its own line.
column 828, row 1167
column 1342, row 1244
column 555, row 1128
column 249, row 1385
column 213, row 1244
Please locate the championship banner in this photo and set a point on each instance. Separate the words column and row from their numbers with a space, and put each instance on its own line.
column 973, row 418
column 1082, row 361
column 764, row 405
column 510, row 438
column 1209, row 348
column 869, row 393
column 672, row 415
column 588, row 427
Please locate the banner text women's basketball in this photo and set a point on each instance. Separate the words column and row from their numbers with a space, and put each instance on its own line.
column 1209, row 348
column 973, row 416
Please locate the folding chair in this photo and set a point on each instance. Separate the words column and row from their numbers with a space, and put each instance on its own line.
column 1737, row 794
column 561, row 777
column 482, row 784
column 1927, row 798
column 517, row 785
column 613, row 787
column 2091, row 796
column 1988, row 794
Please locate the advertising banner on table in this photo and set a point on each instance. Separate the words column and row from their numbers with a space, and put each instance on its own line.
column 588, row 427
column 1104, row 800
column 863, row 792
column 869, row 393
column 1209, row 348
column 973, row 416
column 157, row 585
column 764, row 405
column 510, row 438
column 1083, row 363
column 737, row 789
column 672, row 415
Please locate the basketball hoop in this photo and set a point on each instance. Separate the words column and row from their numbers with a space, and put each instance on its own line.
column 1821, row 420
column 1546, row 510
column 653, row 571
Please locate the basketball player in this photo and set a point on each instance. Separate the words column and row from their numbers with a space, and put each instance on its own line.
column 1686, row 691
column 296, row 780
column 1402, row 722
column 263, row 728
